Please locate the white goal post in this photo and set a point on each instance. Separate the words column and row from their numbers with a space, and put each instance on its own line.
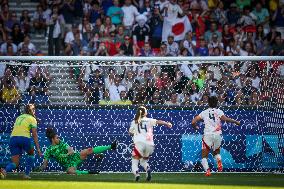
column 156, row 58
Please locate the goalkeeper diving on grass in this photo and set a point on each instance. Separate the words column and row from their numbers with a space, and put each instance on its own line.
column 65, row 155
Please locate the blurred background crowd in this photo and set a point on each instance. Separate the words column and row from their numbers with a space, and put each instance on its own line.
column 149, row 28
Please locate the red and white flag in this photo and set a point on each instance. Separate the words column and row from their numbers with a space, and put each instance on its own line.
column 177, row 27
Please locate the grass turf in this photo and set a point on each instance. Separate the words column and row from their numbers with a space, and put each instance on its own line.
column 160, row 180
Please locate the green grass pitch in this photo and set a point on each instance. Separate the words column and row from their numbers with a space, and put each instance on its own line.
column 160, row 181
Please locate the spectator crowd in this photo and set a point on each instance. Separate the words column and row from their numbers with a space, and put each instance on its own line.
column 136, row 28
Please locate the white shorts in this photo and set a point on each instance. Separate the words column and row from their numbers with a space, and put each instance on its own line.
column 211, row 141
column 142, row 150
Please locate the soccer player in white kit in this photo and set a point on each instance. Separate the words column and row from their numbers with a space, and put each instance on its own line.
column 142, row 131
column 212, row 137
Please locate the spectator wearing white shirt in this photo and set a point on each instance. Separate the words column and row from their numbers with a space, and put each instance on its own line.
column 70, row 35
column 129, row 14
column 87, row 7
column 55, row 25
column 188, row 69
column 255, row 79
column 129, row 80
column 194, row 94
column 281, row 71
column 233, row 48
column 247, row 50
column 22, row 81
column 248, row 18
column 171, row 10
column 215, row 43
column 161, row 4
column 189, row 43
column 4, row 46
column 2, row 70
column 172, row 47
column 109, row 78
column 26, row 47
column 116, row 88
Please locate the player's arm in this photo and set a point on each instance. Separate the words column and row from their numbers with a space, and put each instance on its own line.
column 47, row 156
column 70, row 150
column 131, row 129
column 44, row 165
column 131, row 133
column 195, row 120
column 160, row 122
column 227, row 119
column 35, row 136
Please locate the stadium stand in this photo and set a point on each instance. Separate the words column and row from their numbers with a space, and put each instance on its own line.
column 138, row 28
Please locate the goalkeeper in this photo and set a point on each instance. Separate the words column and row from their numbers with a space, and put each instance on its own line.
column 65, row 155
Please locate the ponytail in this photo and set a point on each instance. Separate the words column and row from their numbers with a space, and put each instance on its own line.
column 139, row 114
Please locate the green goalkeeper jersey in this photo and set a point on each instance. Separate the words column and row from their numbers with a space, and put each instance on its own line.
column 59, row 154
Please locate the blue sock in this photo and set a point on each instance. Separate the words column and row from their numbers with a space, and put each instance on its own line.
column 10, row 167
column 30, row 164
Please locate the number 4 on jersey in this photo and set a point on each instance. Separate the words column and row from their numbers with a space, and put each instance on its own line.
column 211, row 116
column 142, row 126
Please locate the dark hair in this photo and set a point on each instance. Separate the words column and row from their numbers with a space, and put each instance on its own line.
column 246, row 8
column 50, row 133
column 139, row 113
column 28, row 109
column 212, row 101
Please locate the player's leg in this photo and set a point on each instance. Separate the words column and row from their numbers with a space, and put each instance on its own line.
column 3, row 172
column 97, row 150
column 136, row 156
column 98, row 161
column 14, row 164
column 16, row 151
column 216, row 151
column 73, row 163
column 27, row 145
column 144, row 161
column 206, row 144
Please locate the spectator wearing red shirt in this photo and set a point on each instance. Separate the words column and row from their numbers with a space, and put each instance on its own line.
column 197, row 21
column 111, row 45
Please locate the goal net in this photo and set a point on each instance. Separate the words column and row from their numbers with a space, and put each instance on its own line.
column 91, row 101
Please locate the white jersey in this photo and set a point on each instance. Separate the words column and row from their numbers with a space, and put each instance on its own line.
column 143, row 132
column 212, row 121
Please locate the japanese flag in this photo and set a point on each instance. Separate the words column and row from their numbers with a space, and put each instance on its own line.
column 176, row 27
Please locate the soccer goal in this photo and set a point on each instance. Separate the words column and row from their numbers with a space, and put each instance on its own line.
column 92, row 100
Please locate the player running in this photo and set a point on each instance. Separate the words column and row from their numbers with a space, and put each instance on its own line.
column 65, row 155
column 212, row 137
column 142, row 131
column 21, row 141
